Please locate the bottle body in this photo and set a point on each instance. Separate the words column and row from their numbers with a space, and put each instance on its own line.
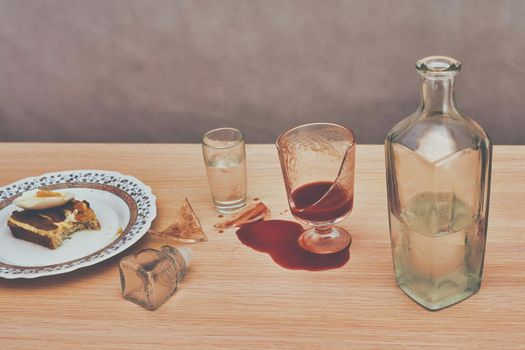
column 438, row 180
column 150, row 277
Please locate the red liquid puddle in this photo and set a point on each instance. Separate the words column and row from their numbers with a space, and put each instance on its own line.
column 334, row 205
column 278, row 238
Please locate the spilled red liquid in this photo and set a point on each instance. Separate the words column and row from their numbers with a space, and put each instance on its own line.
column 278, row 238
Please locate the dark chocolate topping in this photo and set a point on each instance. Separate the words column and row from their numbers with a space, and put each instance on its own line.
column 44, row 219
column 35, row 219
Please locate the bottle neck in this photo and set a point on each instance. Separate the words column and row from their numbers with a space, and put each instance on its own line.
column 179, row 259
column 437, row 96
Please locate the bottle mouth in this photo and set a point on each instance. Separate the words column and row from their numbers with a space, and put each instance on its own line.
column 438, row 67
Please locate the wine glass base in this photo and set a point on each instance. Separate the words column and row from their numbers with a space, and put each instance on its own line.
column 329, row 242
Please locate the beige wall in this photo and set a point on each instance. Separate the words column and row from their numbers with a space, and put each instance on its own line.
column 137, row 70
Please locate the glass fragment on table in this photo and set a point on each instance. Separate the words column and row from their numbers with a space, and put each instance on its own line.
column 186, row 228
column 252, row 213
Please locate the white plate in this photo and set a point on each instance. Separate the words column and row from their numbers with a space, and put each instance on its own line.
column 119, row 201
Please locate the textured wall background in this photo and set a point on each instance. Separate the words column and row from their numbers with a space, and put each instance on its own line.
column 151, row 71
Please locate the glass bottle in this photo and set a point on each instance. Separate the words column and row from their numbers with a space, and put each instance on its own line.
column 150, row 277
column 438, row 164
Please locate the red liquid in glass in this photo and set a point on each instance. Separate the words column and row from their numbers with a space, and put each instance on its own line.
column 337, row 203
column 279, row 239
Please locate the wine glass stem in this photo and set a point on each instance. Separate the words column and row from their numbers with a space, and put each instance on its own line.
column 323, row 230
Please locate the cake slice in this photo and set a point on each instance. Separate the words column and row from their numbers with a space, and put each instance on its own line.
column 49, row 227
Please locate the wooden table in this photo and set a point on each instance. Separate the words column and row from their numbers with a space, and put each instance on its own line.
column 237, row 298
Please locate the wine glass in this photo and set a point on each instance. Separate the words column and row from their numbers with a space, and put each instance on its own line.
column 317, row 161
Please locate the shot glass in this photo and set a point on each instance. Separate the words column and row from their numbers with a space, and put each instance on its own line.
column 225, row 159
